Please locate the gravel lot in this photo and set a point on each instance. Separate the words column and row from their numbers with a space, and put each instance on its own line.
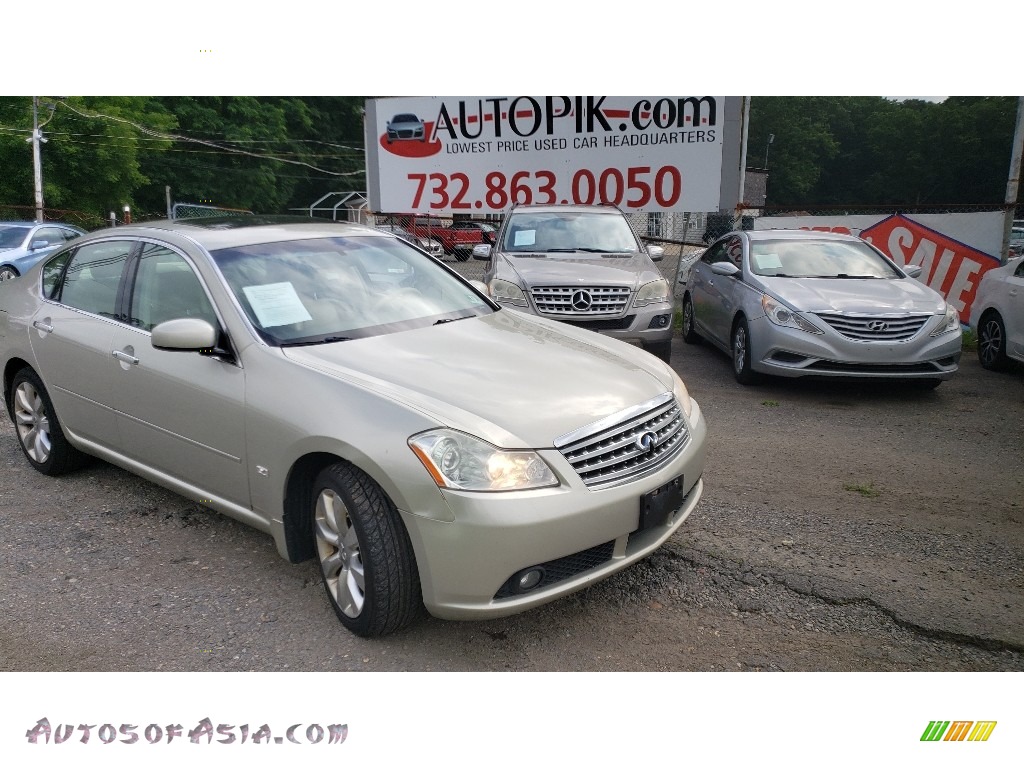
column 844, row 527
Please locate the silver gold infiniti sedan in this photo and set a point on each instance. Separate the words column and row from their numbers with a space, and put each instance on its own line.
column 804, row 303
column 337, row 388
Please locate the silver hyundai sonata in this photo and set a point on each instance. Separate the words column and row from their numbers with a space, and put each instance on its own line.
column 339, row 389
column 803, row 303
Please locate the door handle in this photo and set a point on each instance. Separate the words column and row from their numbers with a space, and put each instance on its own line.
column 124, row 357
column 39, row 325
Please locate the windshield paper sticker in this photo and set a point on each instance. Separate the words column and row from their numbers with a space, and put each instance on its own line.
column 276, row 304
column 768, row 261
column 525, row 237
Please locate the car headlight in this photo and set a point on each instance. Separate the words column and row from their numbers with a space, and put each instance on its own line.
column 457, row 460
column 951, row 322
column 784, row 316
column 505, row 292
column 655, row 292
column 682, row 395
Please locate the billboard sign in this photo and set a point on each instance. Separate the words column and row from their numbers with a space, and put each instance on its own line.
column 482, row 155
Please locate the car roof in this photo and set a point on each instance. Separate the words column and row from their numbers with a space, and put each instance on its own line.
column 217, row 232
column 791, row 234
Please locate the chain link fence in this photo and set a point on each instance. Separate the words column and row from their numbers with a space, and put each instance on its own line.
column 81, row 219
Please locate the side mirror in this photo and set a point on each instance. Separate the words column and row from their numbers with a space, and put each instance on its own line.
column 185, row 334
column 912, row 270
column 482, row 252
column 725, row 268
column 37, row 245
column 656, row 252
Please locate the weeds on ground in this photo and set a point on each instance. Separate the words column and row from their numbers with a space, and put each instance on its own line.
column 970, row 340
column 864, row 489
column 770, row 403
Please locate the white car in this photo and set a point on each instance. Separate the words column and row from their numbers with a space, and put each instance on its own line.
column 997, row 316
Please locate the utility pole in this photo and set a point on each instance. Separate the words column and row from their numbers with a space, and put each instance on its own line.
column 37, row 164
column 1013, row 181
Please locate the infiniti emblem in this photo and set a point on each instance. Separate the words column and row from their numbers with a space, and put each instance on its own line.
column 878, row 325
column 646, row 442
column 581, row 301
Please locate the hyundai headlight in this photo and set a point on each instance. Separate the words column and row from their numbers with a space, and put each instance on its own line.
column 785, row 317
column 504, row 292
column 951, row 322
column 655, row 292
column 460, row 461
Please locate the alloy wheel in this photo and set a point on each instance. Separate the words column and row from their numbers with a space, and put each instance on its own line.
column 32, row 421
column 338, row 548
column 990, row 342
column 739, row 349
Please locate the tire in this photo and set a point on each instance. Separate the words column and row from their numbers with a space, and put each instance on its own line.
column 7, row 272
column 740, row 347
column 463, row 255
column 660, row 349
column 690, row 335
column 365, row 555
column 992, row 342
column 39, row 433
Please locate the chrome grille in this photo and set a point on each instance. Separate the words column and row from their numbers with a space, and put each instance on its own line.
column 876, row 327
column 608, row 452
column 576, row 300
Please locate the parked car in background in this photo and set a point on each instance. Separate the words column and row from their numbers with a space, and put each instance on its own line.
column 997, row 317
column 341, row 390
column 803, row 303
column 456, row 241
column 23, row 243
column 405, row 127
column 433, row 247
column 1017, row 240
column 488, row 232
column 585, row 266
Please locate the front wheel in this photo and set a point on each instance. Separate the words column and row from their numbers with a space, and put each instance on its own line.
column 7, row 272
column 39, row 433
column 741, row 353
column 992, row 342
column 690, row 335
column 366, row 558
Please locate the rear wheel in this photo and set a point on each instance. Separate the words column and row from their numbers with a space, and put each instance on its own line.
column 365, row 554
column 992, row 342
column 39, row 433
column 741, row 353
column 690, row 335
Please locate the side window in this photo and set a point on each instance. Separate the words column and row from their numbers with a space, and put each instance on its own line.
column 51, row 236
column 166, row 288
column 91, row 280
column 51, row 273
column 70, row 234
column 716, row 253
column 1019, row 272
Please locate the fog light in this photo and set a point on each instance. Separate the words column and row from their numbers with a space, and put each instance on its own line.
column 528, row 579
column 659, row 321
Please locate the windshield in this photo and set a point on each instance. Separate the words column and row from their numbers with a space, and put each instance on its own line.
column 11, row 237
column 341, row 288
column 818, row 258
column 569, row 232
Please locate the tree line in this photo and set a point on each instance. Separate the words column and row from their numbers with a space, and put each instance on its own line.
column 276, row 154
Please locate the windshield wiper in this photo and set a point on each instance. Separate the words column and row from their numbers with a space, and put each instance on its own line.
column 325, row 340
column 844, row 276
column 444, row 320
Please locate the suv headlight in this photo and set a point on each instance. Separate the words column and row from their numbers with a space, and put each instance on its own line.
column 505, row 292
column 951, row 322
column 460, row 461
column 784, row 316
column 655, row 292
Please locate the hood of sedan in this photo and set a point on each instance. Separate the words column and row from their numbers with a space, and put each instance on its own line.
column 509, row 378
column 856, row 296
column 565, row 269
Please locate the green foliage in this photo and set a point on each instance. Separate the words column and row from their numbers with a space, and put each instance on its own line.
column 867, row 490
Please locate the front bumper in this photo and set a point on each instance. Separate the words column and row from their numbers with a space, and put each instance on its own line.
column 782, row 351
column 648, row 324
column 588, row 534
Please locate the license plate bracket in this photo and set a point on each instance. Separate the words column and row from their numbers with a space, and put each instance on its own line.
column 658, row 505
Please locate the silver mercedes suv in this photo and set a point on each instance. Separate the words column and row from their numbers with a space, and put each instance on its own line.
column 582, row 265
